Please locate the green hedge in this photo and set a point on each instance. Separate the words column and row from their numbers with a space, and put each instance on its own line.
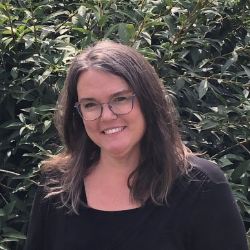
column 200, row 50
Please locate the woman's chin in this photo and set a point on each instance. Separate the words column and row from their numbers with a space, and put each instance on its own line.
column 119, row 151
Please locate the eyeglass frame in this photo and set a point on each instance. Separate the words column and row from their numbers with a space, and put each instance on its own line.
column 77, row 104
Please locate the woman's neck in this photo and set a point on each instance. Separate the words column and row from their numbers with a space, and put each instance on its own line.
column 106, row 185
column 120, row 165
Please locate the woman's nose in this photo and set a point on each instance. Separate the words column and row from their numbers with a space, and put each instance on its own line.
column 107, row 114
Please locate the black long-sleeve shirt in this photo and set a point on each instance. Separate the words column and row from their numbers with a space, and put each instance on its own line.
column 201, row 215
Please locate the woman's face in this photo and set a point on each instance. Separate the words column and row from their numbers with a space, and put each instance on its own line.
column 116, row 135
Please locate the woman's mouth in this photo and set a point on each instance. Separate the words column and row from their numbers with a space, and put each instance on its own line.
column 113, row 130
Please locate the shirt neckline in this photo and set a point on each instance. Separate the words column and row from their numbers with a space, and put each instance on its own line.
column 84, row 199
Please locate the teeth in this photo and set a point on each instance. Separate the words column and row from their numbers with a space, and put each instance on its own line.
column 114, row 130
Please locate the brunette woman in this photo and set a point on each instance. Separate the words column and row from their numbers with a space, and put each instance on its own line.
column 125, row 180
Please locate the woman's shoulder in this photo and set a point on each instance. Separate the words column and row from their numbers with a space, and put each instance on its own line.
column 204, row 184
column 202, row 169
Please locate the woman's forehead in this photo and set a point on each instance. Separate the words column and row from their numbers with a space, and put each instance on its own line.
column 95, row 82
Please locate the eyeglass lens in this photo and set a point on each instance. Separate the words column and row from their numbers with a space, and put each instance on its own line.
column 119, row 105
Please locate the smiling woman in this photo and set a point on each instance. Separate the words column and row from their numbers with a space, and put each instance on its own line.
column 126, row 180
column 121, row 125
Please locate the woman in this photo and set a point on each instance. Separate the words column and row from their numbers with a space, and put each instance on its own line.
column 125, row 180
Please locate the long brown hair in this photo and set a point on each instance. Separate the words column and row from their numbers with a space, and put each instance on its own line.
column 163, row 157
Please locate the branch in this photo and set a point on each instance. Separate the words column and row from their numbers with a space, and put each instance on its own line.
column 101, row 12
column 34, row 27
column 184, row 25
column 60, row 25
column 166, row 12
column 208, row 78
column 240, row 144
column 131, row 45
column 8, row 172
column 212, row 59
column 233, row 146
column 12, row 30
column 4, row 199
column 33, row 182
column 178, row 34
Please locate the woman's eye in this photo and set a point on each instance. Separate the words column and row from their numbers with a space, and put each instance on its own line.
column 89, row 105
column 120, row 98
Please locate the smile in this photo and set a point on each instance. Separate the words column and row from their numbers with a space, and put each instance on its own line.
column 112, row 131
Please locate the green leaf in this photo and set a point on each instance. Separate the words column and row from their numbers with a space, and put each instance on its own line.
column 14, row 72
column 240, row 170
column 33, row 155
column 46, row 125
column 46, row 108
column 7, row 42
column 21, row 130
column 203, row 88
column 8, row 240
column 11, row 104
column 82, row 12
column 195, row 56
column 224, row 162
column 38, row 146
column 245, row 183
column 234, row 157
column 28, row 41
column 123, row 33
column 30, row 127
column 182, row 18
column 131, row 30
column 8, row 208
column 2, row 247
column 129, row 14
column 212, row 12
column 185, row 4
column 209, row 125
column 84, row 31
column 53, row 15
column 18, row 203
column 89, row 6
column 16, row 235
column 111, row 30
column 245, row 93
column 247, row 70
column 46, row 30
column 224, row 101
column 11, row 125
column 22, row 4
column 48, row 59
column 202, row 63
column 170, row 23
column 153, row 23
column 60, row 59
column 44, row 76
column 229, row 62
column 32, row 114
column 21, row 117
column 2, row 213
column 103, row 20
column 146, row 36
column 180, row 82
column 23, row 96
column 87, row 40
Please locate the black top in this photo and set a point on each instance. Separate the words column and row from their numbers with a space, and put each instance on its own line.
column 201, row 215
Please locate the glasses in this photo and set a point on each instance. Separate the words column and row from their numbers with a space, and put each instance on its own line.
column 121, row 104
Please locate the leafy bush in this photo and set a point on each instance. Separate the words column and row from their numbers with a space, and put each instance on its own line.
column 200, row 49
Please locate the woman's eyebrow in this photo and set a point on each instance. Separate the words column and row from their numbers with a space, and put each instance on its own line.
column 112, row 95
column 125, row 91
